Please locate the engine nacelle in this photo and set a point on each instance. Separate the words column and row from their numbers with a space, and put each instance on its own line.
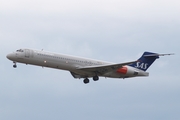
column 131, row 72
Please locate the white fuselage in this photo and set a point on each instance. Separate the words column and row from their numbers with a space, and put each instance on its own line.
column 70, row 63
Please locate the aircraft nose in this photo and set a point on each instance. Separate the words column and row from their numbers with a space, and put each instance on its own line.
column 10, row 56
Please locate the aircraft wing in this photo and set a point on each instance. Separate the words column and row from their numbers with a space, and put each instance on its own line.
column 104, row 68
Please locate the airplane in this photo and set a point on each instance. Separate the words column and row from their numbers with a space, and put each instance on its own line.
column 85, row 68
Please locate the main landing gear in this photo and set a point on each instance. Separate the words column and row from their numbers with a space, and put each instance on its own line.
column 86, row 80
column 95, row 78
column 15, row 66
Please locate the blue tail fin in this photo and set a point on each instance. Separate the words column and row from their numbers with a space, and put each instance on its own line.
column 145, row 61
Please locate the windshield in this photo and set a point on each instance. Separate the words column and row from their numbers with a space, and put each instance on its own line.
column 20, row 50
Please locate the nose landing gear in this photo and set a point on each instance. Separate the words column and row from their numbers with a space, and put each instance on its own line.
column 15, row 66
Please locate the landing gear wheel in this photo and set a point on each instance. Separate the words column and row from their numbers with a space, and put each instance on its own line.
column 86, row 80
column 15, row 66
column 95, row 78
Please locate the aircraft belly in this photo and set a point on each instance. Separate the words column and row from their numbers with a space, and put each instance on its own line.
column 84, row 73
column 113, row 75
column 46, row 63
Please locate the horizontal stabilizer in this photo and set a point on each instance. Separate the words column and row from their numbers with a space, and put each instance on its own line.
column 153, row 55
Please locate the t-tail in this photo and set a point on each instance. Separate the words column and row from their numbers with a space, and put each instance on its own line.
column 146, row 60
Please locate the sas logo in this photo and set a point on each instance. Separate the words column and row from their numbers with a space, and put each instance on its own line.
column 141, row 65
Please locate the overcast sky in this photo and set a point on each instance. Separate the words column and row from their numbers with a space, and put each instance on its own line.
column 110, row 30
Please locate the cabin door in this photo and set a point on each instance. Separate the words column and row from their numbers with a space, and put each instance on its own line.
column 27, row 53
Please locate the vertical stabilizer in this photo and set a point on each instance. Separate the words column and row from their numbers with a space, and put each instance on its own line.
column 145, row 61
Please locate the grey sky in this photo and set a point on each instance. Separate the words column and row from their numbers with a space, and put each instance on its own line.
column 115, row 31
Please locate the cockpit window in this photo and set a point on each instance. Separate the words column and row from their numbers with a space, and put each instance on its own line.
column 20, row 50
